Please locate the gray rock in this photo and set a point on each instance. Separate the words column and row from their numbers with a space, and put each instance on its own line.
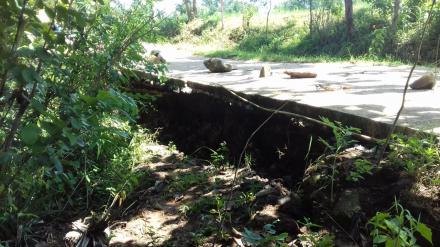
column 216, row 65
column 348, row 204
column 291, row 205
column 427, row 81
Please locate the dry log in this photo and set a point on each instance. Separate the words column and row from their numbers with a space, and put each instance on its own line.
column 299, row 75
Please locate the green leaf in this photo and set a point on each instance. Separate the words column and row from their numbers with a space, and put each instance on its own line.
column 71, row 136
column 251, row 237
column 50, row 12
column 58, row 166
column 30, row 134
column 390, row 243
column 380, row 239
column 37, row 105
column 425, row 231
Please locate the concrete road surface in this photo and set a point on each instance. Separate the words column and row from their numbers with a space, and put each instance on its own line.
column 367, row 90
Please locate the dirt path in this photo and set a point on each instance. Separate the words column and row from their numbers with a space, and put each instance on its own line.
column 367, row 90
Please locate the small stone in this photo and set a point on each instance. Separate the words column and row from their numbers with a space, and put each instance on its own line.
column 268, row 190
column 427, row 81
column 265, row 71
column 348, row 204
column 291, row 205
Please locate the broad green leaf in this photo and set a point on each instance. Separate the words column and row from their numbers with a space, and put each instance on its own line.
column 392, row 224
column 58, row 166
column 425, row 231
column 251, row 237
column 37, row 105
column 50, row 12
column 50, row 127
column 30, row 75
column 75, row 123
column 30, row 134
column 380, row 239
column 390, row 243
column 282, row 236
column 71, row 136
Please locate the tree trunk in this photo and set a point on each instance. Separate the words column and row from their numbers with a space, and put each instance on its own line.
column 311, row 17
column 188, row 10
column 394, row 22
column 396, row 16
column 267, row 19
column 222, row 10
column 18, row 34
column 194, row 8
column 349, row 18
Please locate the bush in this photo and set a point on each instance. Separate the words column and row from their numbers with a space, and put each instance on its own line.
column 171, row 27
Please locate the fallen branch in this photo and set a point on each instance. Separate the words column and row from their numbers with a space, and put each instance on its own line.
column 299, row 75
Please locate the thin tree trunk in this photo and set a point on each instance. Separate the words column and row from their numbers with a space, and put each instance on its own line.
column 349, row 18
column 20, row 28
column 396, row 16
column 311, row 17
column 188, row 9
column 267, row 18
column 194, row 8
column 394, row 22
column 222, row 10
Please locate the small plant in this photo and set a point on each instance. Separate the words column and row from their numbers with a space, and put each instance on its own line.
column 311, row 236
column 218, row 211
column 397, row 229
column 186, row 181
column 361, row 167
column 269, row 237
column 414, row 153
column 202, row 205
column 219, row 156
column 248, row 160
column 184, row 210
column 343, row 140
column 172, row 146
column 245, row 200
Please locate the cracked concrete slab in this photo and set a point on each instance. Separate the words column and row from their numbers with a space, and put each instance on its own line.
column 364, row 89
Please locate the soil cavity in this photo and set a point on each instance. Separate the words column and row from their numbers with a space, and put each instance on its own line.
column 191, row 121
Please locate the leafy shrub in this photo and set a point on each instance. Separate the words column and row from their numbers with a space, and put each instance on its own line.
column 171, row 27
column 360, row 169
column 268, row 237
column 66, row 129
column 397, row 229
column 414, row 153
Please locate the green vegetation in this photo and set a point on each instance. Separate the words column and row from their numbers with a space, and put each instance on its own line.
column 397, row 229
column 268, row 237
column 361, row 168
column 71, row 144
column 186, row 181
column 312, row 236
column 298, row 33
column 343, row 140
column 68, row 135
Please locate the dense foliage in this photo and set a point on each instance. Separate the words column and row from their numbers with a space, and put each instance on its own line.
column 65, row 127
column 380, row 29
